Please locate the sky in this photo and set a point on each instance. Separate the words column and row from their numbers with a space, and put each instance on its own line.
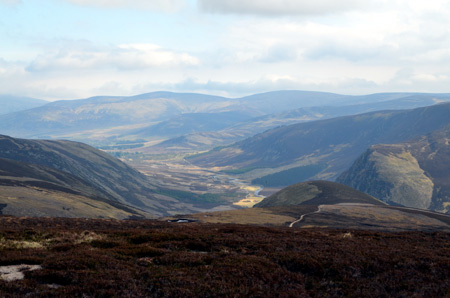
column 68, row 49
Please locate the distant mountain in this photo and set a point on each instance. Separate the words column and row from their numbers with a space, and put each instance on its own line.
column 78, row 119
column 11, row 104
column 204, row 140
column 317, row 193
column 101, row 120
column 192, row 122
column 93, row 173
column 68, row 117
column 332, row 144
column 415, row 173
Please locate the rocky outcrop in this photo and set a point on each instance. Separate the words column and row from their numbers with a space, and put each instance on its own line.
column 414, row 173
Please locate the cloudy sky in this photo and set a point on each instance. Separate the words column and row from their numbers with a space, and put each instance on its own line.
column 66, row 49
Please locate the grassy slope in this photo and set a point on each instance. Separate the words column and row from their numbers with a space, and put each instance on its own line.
column 316, row 193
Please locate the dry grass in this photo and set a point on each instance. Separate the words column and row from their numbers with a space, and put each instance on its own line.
column 251, row 216
column 26, row 201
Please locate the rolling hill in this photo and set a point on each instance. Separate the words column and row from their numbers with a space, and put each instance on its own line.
column 328, row 204
column 207, row 139
column 192, row 122
column 317, row 193
column 107, row 120
column 415, row 173
column 69, row 117
column 332, row 144
column 112, row 116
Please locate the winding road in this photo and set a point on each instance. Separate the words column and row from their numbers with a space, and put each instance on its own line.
column 303, row 215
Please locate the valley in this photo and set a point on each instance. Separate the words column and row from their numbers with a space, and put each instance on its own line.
column 177, row 173
column 184, row 153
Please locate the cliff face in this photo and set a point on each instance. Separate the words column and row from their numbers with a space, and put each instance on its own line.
column 414, row 173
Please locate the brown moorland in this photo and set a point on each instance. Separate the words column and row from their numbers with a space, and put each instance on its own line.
column 145, row 258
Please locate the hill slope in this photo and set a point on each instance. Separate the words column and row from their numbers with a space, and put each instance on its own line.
column 35, row 190
column 415, row 173
column 329, row 205
column 192, row 122
column 316, row 193
column 334, row 143
column 204, row 139
column 98, row 174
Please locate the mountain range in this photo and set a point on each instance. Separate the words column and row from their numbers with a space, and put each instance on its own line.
column 206, row 139
column 161, row 115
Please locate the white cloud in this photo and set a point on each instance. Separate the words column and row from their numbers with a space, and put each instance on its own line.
column 158, row 5
column 123, row 57
column 280, row 7
column 397, row 45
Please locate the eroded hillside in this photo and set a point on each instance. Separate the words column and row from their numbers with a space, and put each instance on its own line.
column 415, row 173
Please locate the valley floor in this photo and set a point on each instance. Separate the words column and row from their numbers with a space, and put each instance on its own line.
column 112, row 258
column 226, row 192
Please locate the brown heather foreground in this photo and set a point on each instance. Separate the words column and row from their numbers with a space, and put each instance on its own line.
column 111, row 258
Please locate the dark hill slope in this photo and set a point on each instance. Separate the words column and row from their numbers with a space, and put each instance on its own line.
column 335, row 142
column 317, row 193
column 415, row 173
column 21, row 173
column 35, row 190
column 109, row 177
